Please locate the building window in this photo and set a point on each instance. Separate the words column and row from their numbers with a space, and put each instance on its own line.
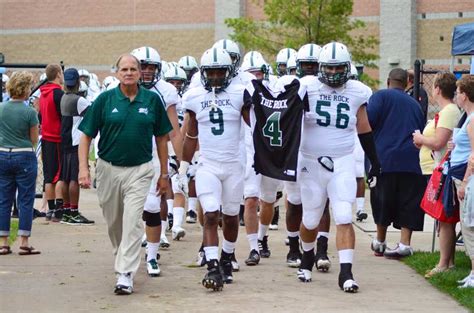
column 459, row 61
column 460, row 14
column 423, row 15
column 441, row 38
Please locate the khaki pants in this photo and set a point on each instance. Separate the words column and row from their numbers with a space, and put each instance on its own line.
column 122, row 192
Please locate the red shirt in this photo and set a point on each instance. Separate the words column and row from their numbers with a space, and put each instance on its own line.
column 50, row 111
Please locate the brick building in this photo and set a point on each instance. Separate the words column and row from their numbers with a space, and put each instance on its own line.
column 92, row 33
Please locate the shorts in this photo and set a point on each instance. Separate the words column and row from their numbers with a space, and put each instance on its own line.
column 396, row 200
column 70, row 166
column 51, row 156
column 269, row 188
column 220, row 184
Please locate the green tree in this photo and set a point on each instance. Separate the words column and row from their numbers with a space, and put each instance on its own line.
column 293, row 23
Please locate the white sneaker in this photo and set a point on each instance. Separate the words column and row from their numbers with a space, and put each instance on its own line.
column 177, row 232
column 124, row 284
column 164, row 243
column 144, row 242
column 378, row 248
column 469, row 283
column 273, row 227
column 153, row 268
column 465, row 279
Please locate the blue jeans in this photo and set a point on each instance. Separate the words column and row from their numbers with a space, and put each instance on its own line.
column 18, row 171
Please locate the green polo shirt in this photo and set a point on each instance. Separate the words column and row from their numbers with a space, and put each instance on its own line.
column 126, row 128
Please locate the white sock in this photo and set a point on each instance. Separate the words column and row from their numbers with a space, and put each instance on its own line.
column 152, row 249
column 346, row 256
column 323, row 234
column 307, row 246
column 192, row 203
column 164, row 225
column 293, row 233
column 360, row 204
column 402, row 246
column 253, row 241
column 169, row 204
column 178, row 215
column 228, row 246
column 262, row 231
column 212, row 253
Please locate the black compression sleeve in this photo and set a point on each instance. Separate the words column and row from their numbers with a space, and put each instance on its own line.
column 368, row 144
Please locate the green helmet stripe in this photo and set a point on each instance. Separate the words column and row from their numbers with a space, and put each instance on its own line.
column 311, row 46
column 333, row 50
column 225, row 44
column 215, row 54
column 176, row 71
column 147, row 52
column 287, row 53
column 251, row 58
column 187, row 60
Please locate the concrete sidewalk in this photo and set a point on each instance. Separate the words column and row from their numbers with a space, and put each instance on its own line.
column 74, row 273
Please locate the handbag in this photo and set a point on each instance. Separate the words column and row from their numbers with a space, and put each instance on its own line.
column 432, row 202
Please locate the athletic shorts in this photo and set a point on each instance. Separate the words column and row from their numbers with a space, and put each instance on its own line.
column 220, row 184
column 51, row 156
column 396, row 200
column 70, row 166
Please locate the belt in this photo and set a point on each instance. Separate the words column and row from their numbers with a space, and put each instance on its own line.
column 17, row 149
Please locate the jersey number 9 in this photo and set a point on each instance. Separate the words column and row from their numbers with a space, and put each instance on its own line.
column 216, row 116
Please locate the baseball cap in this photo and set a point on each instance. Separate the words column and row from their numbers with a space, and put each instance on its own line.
column 71, row 76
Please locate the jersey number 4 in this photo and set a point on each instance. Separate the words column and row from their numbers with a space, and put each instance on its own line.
column 216, row 116
column 272, row 130
column 342, row 119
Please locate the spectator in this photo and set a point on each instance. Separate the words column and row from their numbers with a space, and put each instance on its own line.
column 396, row 197
column 50, row 117
column 127, row 117
column 18, row 165
column 460, row 173
column 5, row 96
column 423, row 95
column 433, row 145
column 73, row 107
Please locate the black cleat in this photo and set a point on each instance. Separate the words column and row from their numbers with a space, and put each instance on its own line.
column 253, row 259
column 346, row 279
column 263, row 247
column 305, row 270
column 361, row 216
column 322, row 262
column 213, row 278
column 226, row 267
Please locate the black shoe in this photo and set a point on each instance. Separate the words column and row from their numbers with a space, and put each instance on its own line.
column 253, row 259
column 263, row 247
column 191, row 217
column 76, row 218
column 293, row 259
column 57, row 216
column 170, row 221
column 361, row 216
column 307, row 262
column 226, row 266
column 276, row 218
column 322, row 262
column 37, row 213
column 346, row 279
column 49, row 215
column 213, row 278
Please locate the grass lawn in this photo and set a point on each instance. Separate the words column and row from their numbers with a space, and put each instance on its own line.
column 446, row 282
column 13, row 231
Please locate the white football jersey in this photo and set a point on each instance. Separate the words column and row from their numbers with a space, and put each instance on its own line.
column 219, row 121
column 330, row 123
column 167, row 91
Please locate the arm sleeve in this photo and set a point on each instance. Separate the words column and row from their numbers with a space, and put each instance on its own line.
column 162, row 123
column 57, row 95
column 93, row 118
column 449, row 117
column 247, row 99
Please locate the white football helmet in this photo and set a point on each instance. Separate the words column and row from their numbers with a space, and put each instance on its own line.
column 291, row 65
column 110, row 82
column 43, row 77
column 84, row 75
column 308, row 53
column 332, row 55
column 254, row 61
column 216, row 58
column 146, row 56
column 177, row 77
column 83, row 88
column 282, row 58
column 354, row 73
column 189, row 65
column 233, row 49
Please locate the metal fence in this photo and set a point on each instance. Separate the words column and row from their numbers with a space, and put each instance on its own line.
column 424, row 78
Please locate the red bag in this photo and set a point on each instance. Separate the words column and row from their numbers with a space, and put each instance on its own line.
column 432, row 202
